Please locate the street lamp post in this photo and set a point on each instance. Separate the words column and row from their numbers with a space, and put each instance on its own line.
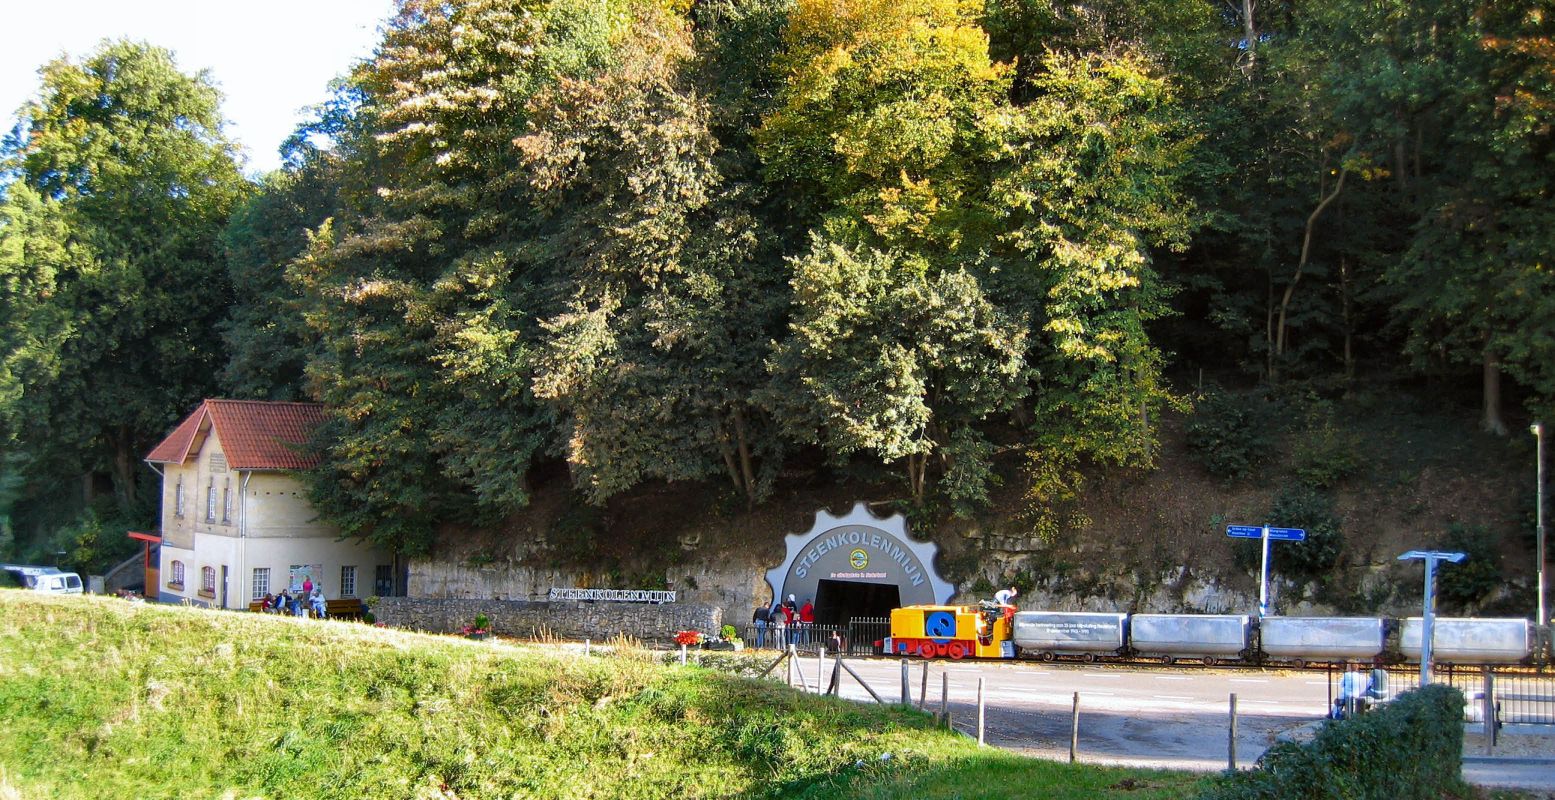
column 1428, row 618
column 1538, row 433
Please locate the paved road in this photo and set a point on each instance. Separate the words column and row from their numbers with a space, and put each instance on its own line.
column 1166, row 717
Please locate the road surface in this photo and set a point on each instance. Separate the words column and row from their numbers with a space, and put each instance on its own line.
column 1168, row 717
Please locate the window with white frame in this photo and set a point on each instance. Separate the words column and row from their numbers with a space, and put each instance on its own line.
column 348, row 581
column 210, row 502
column 226, row 503
column 261, row 582
column 178, row 498
column 177, row 580
column 208, row 580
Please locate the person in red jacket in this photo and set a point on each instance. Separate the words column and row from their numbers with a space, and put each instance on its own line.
column 806, row 619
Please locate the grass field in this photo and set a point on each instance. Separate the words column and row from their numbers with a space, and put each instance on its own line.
column 103, row 698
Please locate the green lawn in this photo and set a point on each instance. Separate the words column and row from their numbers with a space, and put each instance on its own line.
column 157, row 701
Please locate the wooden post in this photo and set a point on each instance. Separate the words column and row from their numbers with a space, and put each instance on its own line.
column 980, row 717
column 788, row 668
column 944, row 698
column 586, row 647
column 782, row 657
column 906, row 685
column 820, row 666
column 682, row 655
column 1074, row 729
column 878, row 698
column 923, row 686
column 1231, row 741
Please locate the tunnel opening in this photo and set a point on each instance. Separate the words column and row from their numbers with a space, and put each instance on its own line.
column 837, row 602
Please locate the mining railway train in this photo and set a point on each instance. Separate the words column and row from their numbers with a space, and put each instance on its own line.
column 1001, row 632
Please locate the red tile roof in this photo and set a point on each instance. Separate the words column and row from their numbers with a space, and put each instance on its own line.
column 255, row 434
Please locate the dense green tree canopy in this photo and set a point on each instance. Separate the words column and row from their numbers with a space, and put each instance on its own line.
column 120, row 181
column 694, row 241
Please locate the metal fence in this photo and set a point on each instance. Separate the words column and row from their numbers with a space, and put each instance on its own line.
column 1519, row 695
column 857, row 638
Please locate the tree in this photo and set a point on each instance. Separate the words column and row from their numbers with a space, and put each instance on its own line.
column 122, row 180
column 671, row 309
column 889, row 356
column 424, row 290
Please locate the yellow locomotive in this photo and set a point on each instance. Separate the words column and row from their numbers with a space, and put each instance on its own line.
column 982, row 631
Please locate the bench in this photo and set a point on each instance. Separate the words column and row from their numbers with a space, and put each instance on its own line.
column 345, row 608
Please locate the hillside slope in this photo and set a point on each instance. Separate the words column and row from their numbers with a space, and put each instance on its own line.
column 1380, row 474
column 102, row 698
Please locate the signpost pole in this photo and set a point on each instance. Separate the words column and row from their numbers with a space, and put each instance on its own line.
column 1428, row 624
column 1263, row 577
column 1428, row 614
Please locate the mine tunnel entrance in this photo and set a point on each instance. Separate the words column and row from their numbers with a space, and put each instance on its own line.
column 837, row 602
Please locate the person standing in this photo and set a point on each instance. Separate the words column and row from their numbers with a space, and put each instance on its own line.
column 307, row 587
column 779, row 626
column 806, row 622
column 760, row 619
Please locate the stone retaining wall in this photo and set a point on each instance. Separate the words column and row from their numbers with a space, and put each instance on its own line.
column 598, row 621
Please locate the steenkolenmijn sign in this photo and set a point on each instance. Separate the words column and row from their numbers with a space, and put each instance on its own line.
column 859, row 547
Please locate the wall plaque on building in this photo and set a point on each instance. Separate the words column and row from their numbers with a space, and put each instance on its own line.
column 859, row 548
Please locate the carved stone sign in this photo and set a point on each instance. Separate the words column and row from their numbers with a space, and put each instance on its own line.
column 859, row 547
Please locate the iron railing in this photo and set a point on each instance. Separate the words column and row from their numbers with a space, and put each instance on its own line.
column 1519, row 695
column 857, row 638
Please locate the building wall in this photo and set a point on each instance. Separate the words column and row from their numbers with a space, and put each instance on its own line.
column 269, row 524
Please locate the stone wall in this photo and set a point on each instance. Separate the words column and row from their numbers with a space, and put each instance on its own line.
column 565, row 620
column 733, row 585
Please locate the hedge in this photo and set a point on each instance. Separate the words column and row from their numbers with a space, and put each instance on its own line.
column 1408, row 749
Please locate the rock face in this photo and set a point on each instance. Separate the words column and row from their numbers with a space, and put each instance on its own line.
column 598, row 621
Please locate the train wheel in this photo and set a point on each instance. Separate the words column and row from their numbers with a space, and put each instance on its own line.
column 1046, row 656
column 1211, row 661
column 1168, row 660
column 1089, row 658
column 956, row 651
column 1299, row 663
column 926, row 649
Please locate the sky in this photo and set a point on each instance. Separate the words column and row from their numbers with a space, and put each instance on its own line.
column 270, row 59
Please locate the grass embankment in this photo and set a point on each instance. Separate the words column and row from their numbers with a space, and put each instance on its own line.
column 102, row 698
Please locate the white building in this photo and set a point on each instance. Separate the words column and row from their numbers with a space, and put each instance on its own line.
column 236, row 522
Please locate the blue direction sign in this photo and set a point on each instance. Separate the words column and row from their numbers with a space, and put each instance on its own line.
column 1256, row 532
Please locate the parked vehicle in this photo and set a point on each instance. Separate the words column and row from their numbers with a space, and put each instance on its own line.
column 40, row 579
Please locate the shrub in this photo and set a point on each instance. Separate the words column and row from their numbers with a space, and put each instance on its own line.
column 1409, row 749
column 1229, row 434
column 1325, row 454
column 1312, row 510
column 1462, row 586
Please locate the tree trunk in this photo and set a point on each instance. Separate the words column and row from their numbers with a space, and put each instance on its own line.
column 746, row 470
column 1349, row 328
column 917, row 467
column 124, row 470
column 1306, row 253
column 1492, row 421
column 1250, row 36
column 725, row 450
